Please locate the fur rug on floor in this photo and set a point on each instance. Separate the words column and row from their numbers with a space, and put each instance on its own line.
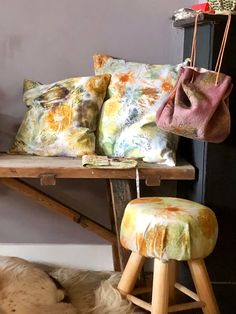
column 26, row 288
column 94, row 292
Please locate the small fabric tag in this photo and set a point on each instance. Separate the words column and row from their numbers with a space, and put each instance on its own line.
column 95, row 161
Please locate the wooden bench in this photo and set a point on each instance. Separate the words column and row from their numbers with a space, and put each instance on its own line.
column 13, row 168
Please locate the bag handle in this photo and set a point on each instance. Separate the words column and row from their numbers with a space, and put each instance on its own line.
column 222, row 47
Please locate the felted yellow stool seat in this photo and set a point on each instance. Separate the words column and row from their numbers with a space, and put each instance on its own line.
column 169, row 229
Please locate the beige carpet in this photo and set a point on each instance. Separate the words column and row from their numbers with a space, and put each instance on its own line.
column 26, row 288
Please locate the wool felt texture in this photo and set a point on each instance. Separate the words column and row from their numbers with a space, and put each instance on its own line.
column 198, row 107
column 168, row 228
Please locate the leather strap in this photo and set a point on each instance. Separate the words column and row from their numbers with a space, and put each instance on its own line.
column 222, row 48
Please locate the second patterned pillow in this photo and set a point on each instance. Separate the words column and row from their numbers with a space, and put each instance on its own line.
column 127, row 124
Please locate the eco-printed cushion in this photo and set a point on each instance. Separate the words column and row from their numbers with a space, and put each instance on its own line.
column 127, row 124
column 61, row 118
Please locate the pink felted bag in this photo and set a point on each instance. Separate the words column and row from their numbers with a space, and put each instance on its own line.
column 198, row 106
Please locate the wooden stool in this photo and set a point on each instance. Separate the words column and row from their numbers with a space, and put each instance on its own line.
column 168, row 230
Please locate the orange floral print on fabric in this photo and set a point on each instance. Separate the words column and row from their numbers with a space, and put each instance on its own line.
column 100, row 60
column 156, row 239
column 121, row 81
column 151, row 94
column 166, row 86
column 125, row 77
column 59, row 118
column 172, row 209
column 141, row 244
column 98, row 83
column 208, row 222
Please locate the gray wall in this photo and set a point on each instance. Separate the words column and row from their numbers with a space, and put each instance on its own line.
column 54, row 39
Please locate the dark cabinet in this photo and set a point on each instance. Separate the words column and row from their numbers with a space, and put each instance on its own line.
column 215, row 185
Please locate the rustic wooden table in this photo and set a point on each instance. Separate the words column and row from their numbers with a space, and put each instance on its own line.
column 13, row 168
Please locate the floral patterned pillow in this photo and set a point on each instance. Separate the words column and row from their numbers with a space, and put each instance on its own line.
column 127, row 125
column 61, row 117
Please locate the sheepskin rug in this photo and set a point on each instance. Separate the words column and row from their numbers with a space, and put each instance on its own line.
column 26, row 288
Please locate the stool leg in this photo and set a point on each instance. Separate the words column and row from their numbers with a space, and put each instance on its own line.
column 130, row 274
column 203, row 286
column 172, row 281
column 160, row 289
